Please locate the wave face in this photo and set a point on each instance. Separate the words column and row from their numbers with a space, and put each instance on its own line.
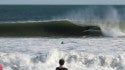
column 109, row 18
column 48, row 29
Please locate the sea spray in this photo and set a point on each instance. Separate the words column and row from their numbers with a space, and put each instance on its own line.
column 108, row 20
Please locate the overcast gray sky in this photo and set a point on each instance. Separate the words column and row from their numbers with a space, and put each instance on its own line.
column 62, row 2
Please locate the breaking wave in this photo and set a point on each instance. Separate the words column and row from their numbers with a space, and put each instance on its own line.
column 48, row 29
column 110, row 19
column 63, row 28
column 96, row 20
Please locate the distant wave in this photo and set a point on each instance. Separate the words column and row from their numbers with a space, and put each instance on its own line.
column 48, row 29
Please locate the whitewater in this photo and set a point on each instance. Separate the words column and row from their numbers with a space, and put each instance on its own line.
column 79, row 53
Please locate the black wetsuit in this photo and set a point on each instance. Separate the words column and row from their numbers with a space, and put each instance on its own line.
column 61, row 68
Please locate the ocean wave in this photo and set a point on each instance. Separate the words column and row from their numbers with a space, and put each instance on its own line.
column 108, row 19
column 63, row 27
column 48, row 29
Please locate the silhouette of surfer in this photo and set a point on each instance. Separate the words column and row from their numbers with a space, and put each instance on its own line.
column 61, row 63
column 62, row 42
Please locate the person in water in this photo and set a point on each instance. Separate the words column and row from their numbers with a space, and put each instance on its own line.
column 61, row 63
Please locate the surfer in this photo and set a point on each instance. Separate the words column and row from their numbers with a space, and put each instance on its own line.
column 62, row 42
column 61, row 63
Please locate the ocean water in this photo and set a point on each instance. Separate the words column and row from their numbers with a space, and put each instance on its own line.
column 93, row 37
column 94, row 20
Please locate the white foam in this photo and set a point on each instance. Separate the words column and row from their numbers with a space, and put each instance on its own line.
column 80, row 54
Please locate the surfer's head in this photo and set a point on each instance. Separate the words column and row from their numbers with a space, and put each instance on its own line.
column 61, row 62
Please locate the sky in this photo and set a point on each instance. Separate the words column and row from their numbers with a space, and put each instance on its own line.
column 119, row 2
